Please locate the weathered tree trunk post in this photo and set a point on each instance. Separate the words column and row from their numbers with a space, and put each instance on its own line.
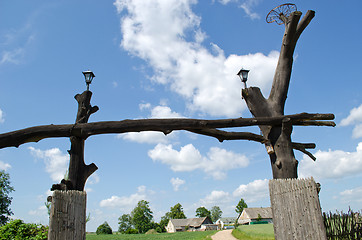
column 279, row 144
column 68, row 208
column 295, row 204
column 68, row 215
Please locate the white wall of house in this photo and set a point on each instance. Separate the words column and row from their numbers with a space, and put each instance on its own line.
column 170, row 228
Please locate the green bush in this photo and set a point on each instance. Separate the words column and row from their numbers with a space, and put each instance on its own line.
column 104, row 229
column 131, row 231
column 18, row 230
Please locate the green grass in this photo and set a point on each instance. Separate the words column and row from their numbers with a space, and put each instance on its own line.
column 173, row 236
column 255, row 232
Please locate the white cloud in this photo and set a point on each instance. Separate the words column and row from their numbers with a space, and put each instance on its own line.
column 254, row 191
column 56, row 163
column 247, row 7
column 93, row 179
column 40, row 211
column 339, row 164
column 164, row 112
column 152, row 137
column 143, row 106
column 4, row 166
column 2, row 119
column 357, row 131
column 13, row 56
column 125, row 203
column 351, row 195
column 216, row 198
column 224, row 2
column 355, row 116
column 188, row 158
column 167, row 35
column 220, row 160
column 176, row 183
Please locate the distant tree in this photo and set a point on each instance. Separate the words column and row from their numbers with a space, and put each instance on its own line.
column 240, row 207
column 104, row 229
column 164, row 221
column 177, row 212
column 203, row 212
column 5, row 200
column 124, row 223
column 141, row 217
column 215, row 213
column 259, row 218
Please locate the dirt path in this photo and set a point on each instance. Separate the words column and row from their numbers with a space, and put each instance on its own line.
column 223, row 235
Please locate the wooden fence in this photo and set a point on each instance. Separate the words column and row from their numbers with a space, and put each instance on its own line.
column 296, row 210
column 68, row 215
column 343, row 225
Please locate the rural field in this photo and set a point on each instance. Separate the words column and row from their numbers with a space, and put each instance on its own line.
column 250, row 232
column 255, row 232
column 173, row 236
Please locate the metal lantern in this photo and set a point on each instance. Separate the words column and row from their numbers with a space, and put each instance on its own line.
column 88, row 75
column 243, row 74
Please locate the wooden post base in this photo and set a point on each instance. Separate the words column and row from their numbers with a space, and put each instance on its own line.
column 296, row 210
column 68, row 215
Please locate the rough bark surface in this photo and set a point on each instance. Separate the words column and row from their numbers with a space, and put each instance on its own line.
column 279, row 144
column 296, row 209
column 85, row 130
column 79, row 172
column 68, row 215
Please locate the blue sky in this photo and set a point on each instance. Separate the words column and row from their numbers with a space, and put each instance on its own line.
column 159, row 59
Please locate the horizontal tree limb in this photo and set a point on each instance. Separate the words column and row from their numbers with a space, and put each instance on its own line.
column 224, row 135
column 84, row 130
column 314, row 123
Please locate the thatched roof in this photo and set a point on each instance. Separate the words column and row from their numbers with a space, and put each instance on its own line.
column 253, row 213
column 191, row 222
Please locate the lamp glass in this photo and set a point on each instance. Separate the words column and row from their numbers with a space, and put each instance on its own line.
column 243, row 74
column 89, row 75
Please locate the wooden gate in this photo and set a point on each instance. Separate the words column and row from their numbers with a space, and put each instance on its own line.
column 296, row 209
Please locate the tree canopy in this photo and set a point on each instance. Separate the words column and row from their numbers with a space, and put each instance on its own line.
column 215, row 213
column 177, row 212
column 124, row 223
column 5, row 200
column 104, row 229
column 142, row 217
column 240, row 207
column 203, row 212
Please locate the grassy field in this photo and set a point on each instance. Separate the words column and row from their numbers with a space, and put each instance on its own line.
column 173, row 236
column 255, row 232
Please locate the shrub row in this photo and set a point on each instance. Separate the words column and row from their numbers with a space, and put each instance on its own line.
column 18, row 230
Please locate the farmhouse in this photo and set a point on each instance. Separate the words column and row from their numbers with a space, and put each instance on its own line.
column 227, row 221
column 250, row 215
column 190, row 224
